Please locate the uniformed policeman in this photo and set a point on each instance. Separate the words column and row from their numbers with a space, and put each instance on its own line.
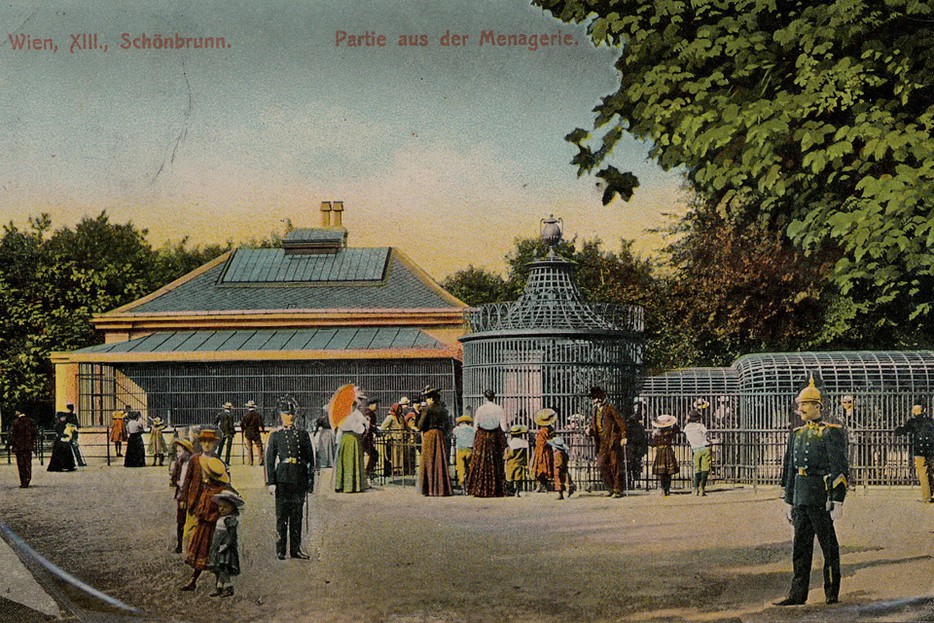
column 814, row 475
column 290, row 475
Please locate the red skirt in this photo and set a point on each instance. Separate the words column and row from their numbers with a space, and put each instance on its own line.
column 487, row 477
column 434, row 478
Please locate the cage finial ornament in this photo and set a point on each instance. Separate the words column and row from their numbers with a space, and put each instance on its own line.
column 551, row 230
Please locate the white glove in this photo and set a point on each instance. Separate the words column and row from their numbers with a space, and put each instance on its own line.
column 272, row 489
column 836, row 511
column 788, row 508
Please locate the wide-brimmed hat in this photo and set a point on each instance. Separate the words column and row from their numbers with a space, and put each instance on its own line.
column 700, row 403
column 208, row 434
column 464, row 419
column 665, row 421
column 404, row 400
column 558, row 444
column 545, row 417
column 249, row 404
column 430, row 391
column 231, row 497
column 518, row 429
column 228, row 405
column 214, row 468
column 597, row 392
column 156, row 421
column 184, row 443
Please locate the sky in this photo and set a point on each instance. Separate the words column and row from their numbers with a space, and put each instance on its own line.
column 448, row 153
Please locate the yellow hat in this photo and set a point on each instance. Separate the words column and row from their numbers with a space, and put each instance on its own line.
column 214, row 469
column 810, row 394
column 185, row 444
column 464, row 419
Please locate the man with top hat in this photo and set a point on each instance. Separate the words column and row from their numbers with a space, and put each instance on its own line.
column 814, row 475
column 290, row 475
column 225, row 424
column 23, row 435
column 608, row 429
column 253, row 428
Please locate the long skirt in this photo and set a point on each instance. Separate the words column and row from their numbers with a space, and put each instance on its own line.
column 348, row 471
column 63, row 457
column 487, row 477
column 135, row 451
column 434, row 478
column 325, row 448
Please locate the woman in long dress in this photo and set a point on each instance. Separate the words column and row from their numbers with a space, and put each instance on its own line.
column 325, row 443
column 434, row 478
column 349, row 474
column 63, row 455
column 135, row 449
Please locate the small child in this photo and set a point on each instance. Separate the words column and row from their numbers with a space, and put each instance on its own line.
column 517, row 458
column 157, row 441
column 177, row 471
column 464, row 434
column 225, row 559
column 562, row 476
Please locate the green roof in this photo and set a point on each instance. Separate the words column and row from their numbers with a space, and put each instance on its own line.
column 275, row 266
column 341, row 338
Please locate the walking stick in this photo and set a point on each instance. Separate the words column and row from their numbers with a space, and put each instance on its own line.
column 626, row 467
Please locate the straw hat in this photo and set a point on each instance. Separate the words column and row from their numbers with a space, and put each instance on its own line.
column 157, row 421
column 665, row 421
column 214, row 468
column 700, row 403
column 558, row 444
column 518, row 429
column 208, row 434
column 184, row 443
column 228, row 405
column 249, row 404
column 404, row 400
column 464, row 419
column 546, row 417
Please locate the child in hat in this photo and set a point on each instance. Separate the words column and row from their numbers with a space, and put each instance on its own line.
column 562, row 476
column 157, row 441
column 666, row 463
column 464, row 434
column 543, row 461
column 225, row 559
column 206, row 511
column 517, row 458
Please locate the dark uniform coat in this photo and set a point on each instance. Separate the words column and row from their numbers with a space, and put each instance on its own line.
column 814, row 473
column 23, row 435
column 290, row 463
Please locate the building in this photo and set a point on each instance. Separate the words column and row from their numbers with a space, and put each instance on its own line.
column 270, row 324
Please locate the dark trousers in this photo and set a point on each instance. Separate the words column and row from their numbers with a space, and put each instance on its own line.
column 226, row 439
column 290, row 499
column 809, row 521
column 612, row 468
column 24, row 465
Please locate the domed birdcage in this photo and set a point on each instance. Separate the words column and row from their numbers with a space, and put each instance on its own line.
column 548, row 348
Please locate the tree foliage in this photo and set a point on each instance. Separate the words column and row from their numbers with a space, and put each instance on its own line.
column 819, row 113
column 52, row 282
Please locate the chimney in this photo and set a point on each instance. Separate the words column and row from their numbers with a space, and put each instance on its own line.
column 338, row 213
column 325, row 214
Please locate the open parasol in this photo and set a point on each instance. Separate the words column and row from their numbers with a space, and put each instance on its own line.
column 341, row 404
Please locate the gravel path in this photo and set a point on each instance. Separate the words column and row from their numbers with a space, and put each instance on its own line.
column 392, row 555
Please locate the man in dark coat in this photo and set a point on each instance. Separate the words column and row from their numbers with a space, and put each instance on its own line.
column 920, row 430
column 814, row 475
column 608, row 429
column 637, row 444
column 369, row 437
column 23, row 435
column 253, row 428
column 290, row 475
column 225, row 424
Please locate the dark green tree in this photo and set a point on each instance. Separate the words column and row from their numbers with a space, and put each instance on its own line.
column 475, row 286
column 820, row 113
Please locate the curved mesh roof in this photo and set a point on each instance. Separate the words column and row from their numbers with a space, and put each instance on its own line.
column 700, row 381
column 838, row 371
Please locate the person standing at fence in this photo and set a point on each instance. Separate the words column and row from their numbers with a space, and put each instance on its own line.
column 517, row 458
column 814, row 474
column 178, row 470
column 608, row 429
column 290, row 476
column 543, row 460
column 637, row 445
column 369, row 438
column 72, row 418
column 464, row 435
column 663, row 438
column 118, row 429
column 562, row 475
column 135, row 449
column 487, row 477
column 434, row 423
column 395, row 426
column 23, row 435
column 225, row 424
column 699, row 440
column 252, row 429
column 920, row 430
